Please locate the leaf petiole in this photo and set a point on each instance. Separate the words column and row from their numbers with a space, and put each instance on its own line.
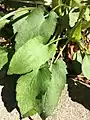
column 53, row 41
column 14, row 12
column 60, row 6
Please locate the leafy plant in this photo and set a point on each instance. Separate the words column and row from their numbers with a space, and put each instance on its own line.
column 36, row 51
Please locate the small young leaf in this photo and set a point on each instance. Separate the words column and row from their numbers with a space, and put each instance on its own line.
column 75, row 33
column 87, row 14
column 73, row 16
column 3, row 57
column 77, row 56
column 58, row 80
column 31, row 56
column 29, row 87
column 77, row 62
column 86, row 66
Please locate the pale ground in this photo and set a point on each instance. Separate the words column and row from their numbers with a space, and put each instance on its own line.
column 66, row 110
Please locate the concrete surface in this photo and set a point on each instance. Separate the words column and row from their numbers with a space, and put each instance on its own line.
column 66, row 110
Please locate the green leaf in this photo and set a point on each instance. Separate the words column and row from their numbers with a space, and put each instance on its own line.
column 86, row 66
column 27, row 90
column 87, row 14
column 29, row 87
column 77, row 56
column 77, row 62
column 3, row 57
column 58, row 80
column 44, row 75
column 73, row 16
column 19, row 18
column 31, row 56
column 36, row 24
column 39, row 91
column 48, row 26
column 75, row 33
column 30, row 27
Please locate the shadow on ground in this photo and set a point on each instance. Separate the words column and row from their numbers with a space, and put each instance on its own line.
column 9, row 90
column 79, row 93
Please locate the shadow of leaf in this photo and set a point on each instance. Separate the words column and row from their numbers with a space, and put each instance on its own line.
column 9, row 91
column 79, row 93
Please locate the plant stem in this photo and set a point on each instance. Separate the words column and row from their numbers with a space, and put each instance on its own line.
column 60, row 53
column 14, row 12
column 52, row 41
column 60, row 6
column 58, row 39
